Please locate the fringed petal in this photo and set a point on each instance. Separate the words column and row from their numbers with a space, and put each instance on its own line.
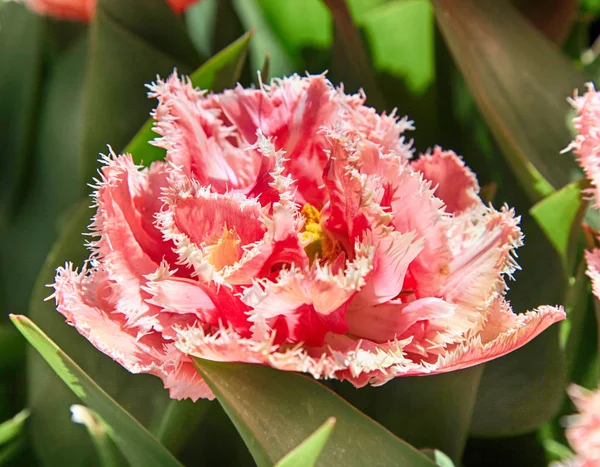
column 592, row 258
column 85, row 299
column 586, row 144
column 393, row 254
column 129, row 247
column 290, row 112
column 483, row 254
column 503, row 333
column 583, row 429
column 388, row 321
column 226, row 345
column 210, row 231
column 198, row 138
column 454, row 183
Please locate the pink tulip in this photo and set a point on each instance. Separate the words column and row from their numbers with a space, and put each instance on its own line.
column 586, row 147
column 83, row 10
column 288, row 228
column 583, row 429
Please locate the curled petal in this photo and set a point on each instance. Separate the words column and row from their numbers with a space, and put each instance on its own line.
column 394, row 253
column 454, row 183
column 227, row 346
column 503, row 332
column 85, row 301
column 389, row 321
column 198, row 139
column 289, row 111
column 481, row 259
column 210, row 231
column 587, row 143
column 129, row 246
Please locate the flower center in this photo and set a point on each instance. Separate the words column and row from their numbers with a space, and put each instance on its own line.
column 225, row 249
column 317, row 244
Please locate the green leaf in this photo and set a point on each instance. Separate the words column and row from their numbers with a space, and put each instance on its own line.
column 400, row 35
column 12, row 450
column 307, row 452
column 136, row 443
column 13, row 438
column 302, row 27
column 131, row 41
column 445, row 401
column 13, row 428
column 559, row 216
column 276, row 410
column 56, row 439
column 20, row 82
column 108, row 454
column 505, row 62
column 219, row 72
column 179, row 421
column 556, row 451
column 574, row 328
column 265, row 41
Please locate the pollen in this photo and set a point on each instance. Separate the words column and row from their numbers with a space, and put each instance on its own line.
column 312, row 235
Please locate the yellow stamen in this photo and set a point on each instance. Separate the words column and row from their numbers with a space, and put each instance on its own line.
column 313, row 237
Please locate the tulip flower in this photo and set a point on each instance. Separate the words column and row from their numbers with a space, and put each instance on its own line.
column 291, row 226
column 586, row 147
column 83, row 10
column 583, row 429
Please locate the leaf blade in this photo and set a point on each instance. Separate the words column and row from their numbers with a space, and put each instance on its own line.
column 307, row 452
column 503, row 58
column 136, row 443
column 249, row 393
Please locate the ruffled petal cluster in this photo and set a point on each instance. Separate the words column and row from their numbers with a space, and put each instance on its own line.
column 586, row 146
column 583, row 429
column 289, row 227
column 83, row 10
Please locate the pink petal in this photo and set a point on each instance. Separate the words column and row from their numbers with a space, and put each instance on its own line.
column 79, row 10
column 227, row 346
column 196, row 300
column 83, row 10
column 481, row 259
column 455, row 184
column 290, row 111
column 587, row 143
column 129, row 246
column 503, row 333
column 388, row 321
column 197, row 137
column 394, row 253
column 210, row 231
column 85, row 301
column 592, row 258
column 583, row 429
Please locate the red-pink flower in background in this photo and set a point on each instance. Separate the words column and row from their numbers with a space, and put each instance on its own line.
column 288, row 227
column 586, row 147
column 83, row 10
column 583, row 429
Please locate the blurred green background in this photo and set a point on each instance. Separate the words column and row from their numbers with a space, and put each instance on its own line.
column 488, row 79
